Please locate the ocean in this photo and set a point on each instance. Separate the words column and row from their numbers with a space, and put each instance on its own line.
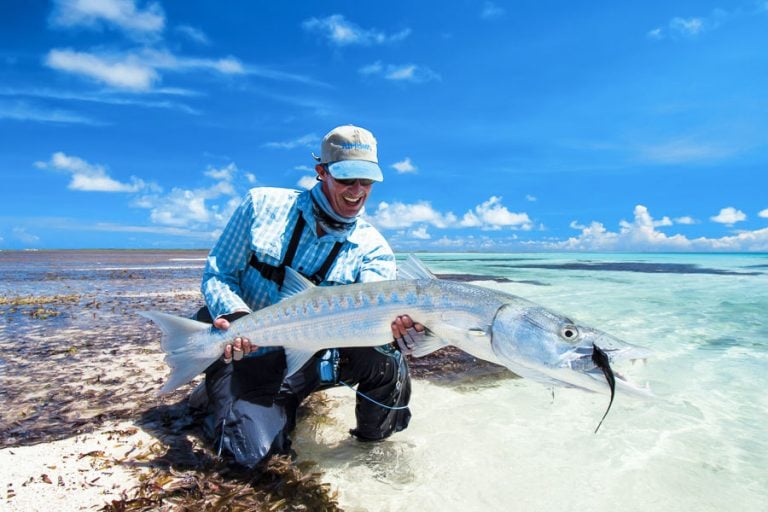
column 490, row 441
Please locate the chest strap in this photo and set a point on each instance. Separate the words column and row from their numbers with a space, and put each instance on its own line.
column 277, row 274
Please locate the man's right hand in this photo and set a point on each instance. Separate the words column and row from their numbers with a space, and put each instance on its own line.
column 240, row 346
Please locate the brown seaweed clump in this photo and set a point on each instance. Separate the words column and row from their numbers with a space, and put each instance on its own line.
column 279, row 485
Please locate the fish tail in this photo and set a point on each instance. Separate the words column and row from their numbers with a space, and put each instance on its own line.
column 187, row 352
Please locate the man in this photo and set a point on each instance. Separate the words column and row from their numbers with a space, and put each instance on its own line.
column 251, row 408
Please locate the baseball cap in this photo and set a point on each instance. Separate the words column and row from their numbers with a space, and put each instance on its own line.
column 350, row 152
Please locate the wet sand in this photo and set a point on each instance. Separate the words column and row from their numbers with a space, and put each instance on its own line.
column 82, row 428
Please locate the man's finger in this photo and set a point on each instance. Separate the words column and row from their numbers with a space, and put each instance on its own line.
column 227, row 357
column 237, row 349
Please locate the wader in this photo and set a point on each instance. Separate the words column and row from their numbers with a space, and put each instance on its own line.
column 251, row 408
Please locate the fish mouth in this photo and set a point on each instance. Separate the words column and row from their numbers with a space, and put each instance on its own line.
column 587, row 357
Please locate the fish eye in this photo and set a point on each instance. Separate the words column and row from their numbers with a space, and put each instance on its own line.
column 569, row 332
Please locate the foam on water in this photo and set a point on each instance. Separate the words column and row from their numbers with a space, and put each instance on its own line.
column 701, row 444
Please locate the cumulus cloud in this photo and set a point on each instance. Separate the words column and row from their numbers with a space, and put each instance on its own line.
column 420, row 233
column 404, row 166
column 400, row 215
column 400, row 73
column 121, row 14
column 729, row 216
column 200, row 207
column 493, row 215
column 307, row 182
column 89, row 177
column 341, row 32
column 641, row 235
column 763, row 213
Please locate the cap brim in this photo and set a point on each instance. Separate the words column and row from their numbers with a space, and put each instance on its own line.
column 352, row 169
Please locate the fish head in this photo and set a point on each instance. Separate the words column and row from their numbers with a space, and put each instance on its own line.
column 539, row 344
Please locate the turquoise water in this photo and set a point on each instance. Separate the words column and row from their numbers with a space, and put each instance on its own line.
column 510, row 444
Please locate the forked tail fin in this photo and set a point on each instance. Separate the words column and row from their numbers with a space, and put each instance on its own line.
column 186, row 351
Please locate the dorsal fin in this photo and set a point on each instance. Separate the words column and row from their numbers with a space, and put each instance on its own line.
column 413, row 268
column 294, row 283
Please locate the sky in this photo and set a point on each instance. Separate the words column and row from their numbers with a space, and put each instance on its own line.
column 502, row 126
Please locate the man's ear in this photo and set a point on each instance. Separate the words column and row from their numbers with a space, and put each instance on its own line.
column 320, row 169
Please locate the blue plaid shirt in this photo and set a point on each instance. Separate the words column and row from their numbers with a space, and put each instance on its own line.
column 262, row 226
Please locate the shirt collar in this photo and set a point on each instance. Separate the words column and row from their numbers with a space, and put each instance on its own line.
column 307, row 210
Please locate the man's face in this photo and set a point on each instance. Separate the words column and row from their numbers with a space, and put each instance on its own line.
column 346, row 200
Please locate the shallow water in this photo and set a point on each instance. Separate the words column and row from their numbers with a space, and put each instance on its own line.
column 488, row 442
column 511, row 444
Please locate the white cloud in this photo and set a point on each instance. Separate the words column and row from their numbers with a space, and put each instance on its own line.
column 763, row 214
column 122, row 72
column 122, row 14
column 341, row 32
column 693, row 26
column 656, row 33
column 687, row 27
column 420, row 233
column 308, row 141
column 225, row 174
column 493, row 215
column 137, row 71
column 24, row 237
column 642, row 235
column 404, row 166
column 375, row 68
column 24, row 111
column 491, row 11
column 530, row 198
column 400, row 215
column 307, row 182
column 400, row 73
column 685, row 151
column 729, row 216
column 193, row 34
column 89, row 177
column 201, row 207
column 687, row 220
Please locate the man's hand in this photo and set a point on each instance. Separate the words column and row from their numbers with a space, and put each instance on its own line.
column 406, row 333
column 240, row 346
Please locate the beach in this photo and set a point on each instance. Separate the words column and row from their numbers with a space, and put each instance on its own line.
column 83, row 429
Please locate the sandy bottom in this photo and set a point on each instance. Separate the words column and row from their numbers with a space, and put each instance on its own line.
column 83, row 472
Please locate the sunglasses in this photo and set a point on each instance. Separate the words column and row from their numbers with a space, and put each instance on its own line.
column 350, row 182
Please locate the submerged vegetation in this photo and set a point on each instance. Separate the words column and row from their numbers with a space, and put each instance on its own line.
column 96, row 362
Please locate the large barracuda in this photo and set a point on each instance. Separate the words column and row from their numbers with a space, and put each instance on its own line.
column 530, row 340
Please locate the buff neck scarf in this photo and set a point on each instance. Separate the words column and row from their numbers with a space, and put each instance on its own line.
column 331, row 222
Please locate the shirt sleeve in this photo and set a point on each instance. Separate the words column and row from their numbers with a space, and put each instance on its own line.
column 379, row 264
column 226, row 263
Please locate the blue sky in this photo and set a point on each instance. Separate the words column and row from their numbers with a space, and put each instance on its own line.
column 502, row 126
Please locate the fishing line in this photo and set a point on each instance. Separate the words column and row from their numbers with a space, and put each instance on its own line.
column 391, row 408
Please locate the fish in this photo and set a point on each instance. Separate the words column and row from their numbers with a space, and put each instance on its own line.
column 528, row 339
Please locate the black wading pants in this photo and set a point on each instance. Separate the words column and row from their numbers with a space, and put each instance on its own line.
column 252, row 408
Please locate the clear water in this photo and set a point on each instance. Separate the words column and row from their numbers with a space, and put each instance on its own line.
column 511, row 444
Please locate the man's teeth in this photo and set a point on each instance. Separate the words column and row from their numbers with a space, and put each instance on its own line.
column 352, row 199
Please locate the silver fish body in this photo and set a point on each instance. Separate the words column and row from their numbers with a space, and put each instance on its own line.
column 530, row 340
